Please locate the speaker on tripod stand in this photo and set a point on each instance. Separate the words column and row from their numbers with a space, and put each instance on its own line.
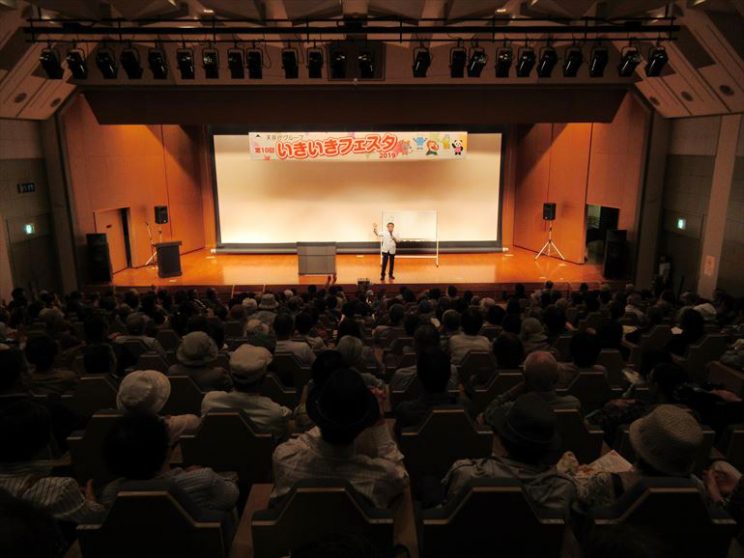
column 549, row 246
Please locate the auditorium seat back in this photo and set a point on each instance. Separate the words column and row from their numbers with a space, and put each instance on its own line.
column 153, row 519
column 562, row 346
column 592, row 389
column 399, row 344
column 578, row 436
column 226, row 440
column 85, row 447
column 478, row 364
column 92, row 393
column 491, row 517
column 275, row 390
column 730, row 378
column 315, row 509
column 185, row 397
column 289, row 371
column 491, row 332
column 656, row 339
column 732, row 445
column 448, row 434
column 708, row 349
column 151, row 360
column 501, row 382
column 674, row 510
column 412, row 391
column 133, row 348
column 168, row 339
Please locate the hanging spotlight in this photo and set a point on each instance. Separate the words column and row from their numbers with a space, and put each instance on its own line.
column 77, row 63
column 548, row 60
column 477, row 62
column 657, row 59
column 185, row 61
column 338, row 64
column 211, row 63
column 235, row 63
column 49, row 59
column 315, row 63
column 573, row 61
column 289, row 63
column 130, row 61
column 366, row 64
column 504, row 58
column 106, row 62
column 254, row 63
column 526, row 62
column 157, row 63
column 598, row 62
column 629, row 60
column 458, row 58
column 421, row 62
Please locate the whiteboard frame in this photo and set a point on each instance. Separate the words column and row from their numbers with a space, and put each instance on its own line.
column 434, row 256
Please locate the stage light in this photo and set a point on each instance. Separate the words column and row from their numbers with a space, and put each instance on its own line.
column 366, row 64
column 235, row 63
column 211, row 63
column 573, row 61
column 598, row 63
column 657, row 59
column 157, row 63
column 477, row 62
column 49, row 60
column 629, row 60
column 185, row 61
column 254, row 63
column 504, row 58
column 458, row 58
column 77, row 64
column 106, row 62
column 548, row 60
column 338, row 64
column 526, row 62
column 421, row 62
column 315, row 63
column 289, row 63
column 130, row 61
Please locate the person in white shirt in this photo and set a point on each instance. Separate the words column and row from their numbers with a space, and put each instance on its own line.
column 389, row 242
column 283, row 328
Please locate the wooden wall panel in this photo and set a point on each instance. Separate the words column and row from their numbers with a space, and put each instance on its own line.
column 532, row 178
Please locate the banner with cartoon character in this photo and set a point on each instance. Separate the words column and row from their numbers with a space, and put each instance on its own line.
column 358, row 146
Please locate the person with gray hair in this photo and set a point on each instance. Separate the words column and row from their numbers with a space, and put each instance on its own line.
column 136, row 324
column 351, row 350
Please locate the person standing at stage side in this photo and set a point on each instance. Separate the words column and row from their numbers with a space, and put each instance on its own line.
column 389, row 243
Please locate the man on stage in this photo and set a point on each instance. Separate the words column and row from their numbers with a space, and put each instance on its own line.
column 389, row 242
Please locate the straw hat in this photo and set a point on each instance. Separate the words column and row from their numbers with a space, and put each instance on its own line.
column 197, row 349
column 268, row 302
column 248, row 363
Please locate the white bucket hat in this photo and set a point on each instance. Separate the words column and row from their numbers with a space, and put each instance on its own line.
column 143, row 390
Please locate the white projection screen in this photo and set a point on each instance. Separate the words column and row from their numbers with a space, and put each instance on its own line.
column 270, row 202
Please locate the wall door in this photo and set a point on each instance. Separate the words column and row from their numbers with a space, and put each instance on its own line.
column 110, row 223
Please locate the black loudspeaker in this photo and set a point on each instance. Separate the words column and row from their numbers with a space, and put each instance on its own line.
column 169, row 258
column 161, row 214
column 99, row 259
column 615, row 257
column 548, row 212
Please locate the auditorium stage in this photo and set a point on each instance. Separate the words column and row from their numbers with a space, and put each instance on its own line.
column 202, row 268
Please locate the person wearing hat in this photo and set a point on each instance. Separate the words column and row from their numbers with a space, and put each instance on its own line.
column 342, row 410
column 283, row 328
column 532, row 334
column 136, row 324
column 196, row 355
column 147, row 391
column 267, row 308
column 527, row 432
column 248, row 366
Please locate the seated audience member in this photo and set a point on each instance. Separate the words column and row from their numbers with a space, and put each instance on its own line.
column 426, row 337
column 654, row 317
column 352, row 352
column 508, row 351
column 46, row 379
column 584, row 350
column 527, row 433
column 433, row 371
column 248, row 366
column 196, row 354
column 725, row 487
column 540, row 377
column 666, row 443
column 26, row 468
column 734, row 356
column 342, row 410
column 99, row 360
column 470, row 338
column 259, row 334
column 137, row 448
column 136, row 330
column 384, row 333
column 283, row 328
column 450, row 323
column 556, row 325
column 325, row 365
column 147, row 391
column 533, row 336
column 634, row 308
column 693, row 329
column 304, row 323
column 28, row 531
column 267, row 309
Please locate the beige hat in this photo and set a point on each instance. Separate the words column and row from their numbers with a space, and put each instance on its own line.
column 268, row 302
column 144, row 391
column 249, row 363
column 197, row 349
column 487, row 302
column 250, row 303
column 668, row 439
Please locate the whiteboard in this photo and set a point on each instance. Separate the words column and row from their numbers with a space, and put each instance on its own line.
column 412, row 224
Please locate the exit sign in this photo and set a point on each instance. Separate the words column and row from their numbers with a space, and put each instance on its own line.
column 26, row 187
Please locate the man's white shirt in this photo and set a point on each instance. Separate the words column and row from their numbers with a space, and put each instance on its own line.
column 388, row 241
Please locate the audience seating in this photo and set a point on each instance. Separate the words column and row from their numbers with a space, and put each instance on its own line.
column 480, row 364
column 656, row 339
column 410, row 393
column 226, row 440
column 448, row 434
column 78, row 364
column 710, row 348
column 93, row 393
column 134, row 348
column 185, row 397
column 289, row 371
column 490, row 518
column 731, row 445
column 674, row 510
column 592, row 389
column 578, row 436
column 501, row 382
column 274, row 389
column 730, row 378
column 168, row 339
column 491, row 332
column 562, row 348
column 151, row 360
column 85, row 447
column 592, row 321
column 613, row 362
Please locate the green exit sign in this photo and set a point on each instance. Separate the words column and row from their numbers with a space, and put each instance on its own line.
column 29, row 228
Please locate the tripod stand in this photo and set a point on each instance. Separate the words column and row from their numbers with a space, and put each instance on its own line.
column 154, row 254
column 549, row 244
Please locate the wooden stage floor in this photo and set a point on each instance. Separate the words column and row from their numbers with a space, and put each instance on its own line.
column 202, row 268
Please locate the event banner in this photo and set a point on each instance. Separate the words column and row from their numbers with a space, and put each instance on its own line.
column 358, row 146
